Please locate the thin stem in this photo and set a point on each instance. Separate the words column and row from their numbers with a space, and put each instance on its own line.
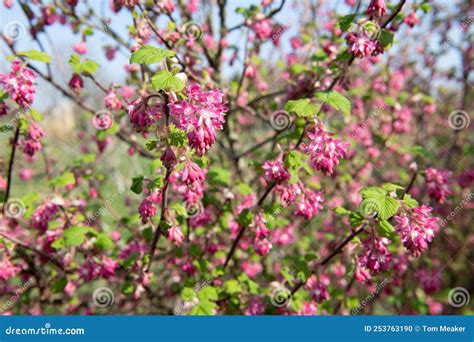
column 10, row 165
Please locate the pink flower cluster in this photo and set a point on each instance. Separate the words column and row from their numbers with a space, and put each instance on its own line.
column 7, row 268
column 92, row 269
column 31, row 143
column 261, row 244
column 43, row 215
column 317, row 287
column 375, row 256
column 200, row 115
column 307, row 201
column 438, row 183
column 275, row 171
column 143, row 115
column 361, row 46
column 19, row 84
column 324, row 150
column 147, row 208
column 416, row 228
column 263, row 28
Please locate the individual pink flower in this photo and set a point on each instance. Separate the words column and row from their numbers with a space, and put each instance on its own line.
column 252, row 269
column 262, row 246
column 19, row 84
column 43, row 214
column 143, row 115
column 438, row 184
column 192, row 174
column 200, row 115
column 324, row 150
column 80, row 48
column 76, row 83
column 377, row 8
column 308, row 309
column 7, row 268
column 255, row 307
column 26, row 174
column 295, row 42
column 175, row 235
column 317, row 287
column 416, row 228
column 275, row 171
column 361, row 274
column 112, row 101
column 110, row 52
column 168, row 158
column 411, row 19
column 263, row 28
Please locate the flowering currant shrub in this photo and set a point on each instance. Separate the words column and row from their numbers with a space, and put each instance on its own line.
column 224, row 157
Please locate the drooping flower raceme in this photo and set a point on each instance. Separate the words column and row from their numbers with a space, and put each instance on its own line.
column 416, row 228
column 375, row 255
column 143, row 115
column 31, row 143
column 19, row 84
column 324, row 150
column 200, row 115
column 275, row 171
column 437, row 184
column 377, row 8
column 317, row 287
column 43, row 214
column 361, row 46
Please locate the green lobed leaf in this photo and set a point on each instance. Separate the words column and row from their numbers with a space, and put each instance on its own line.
column 36, row 55
column 65, row 179
column 346, row 21
column 302, row 108
column 165, row 80
column 137, row 184
column 75, row 236
column 386, row 38
column 335, row 100
column 148, row 54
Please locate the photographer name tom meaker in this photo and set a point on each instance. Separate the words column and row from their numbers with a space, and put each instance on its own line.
column 443, row 328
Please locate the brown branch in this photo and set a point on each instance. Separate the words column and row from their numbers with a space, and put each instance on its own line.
column 10, row 165
column 330, row 256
